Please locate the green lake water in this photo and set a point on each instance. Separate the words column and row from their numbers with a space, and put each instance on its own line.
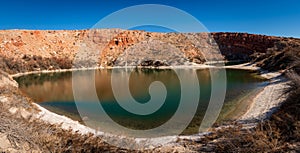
column 53, row 91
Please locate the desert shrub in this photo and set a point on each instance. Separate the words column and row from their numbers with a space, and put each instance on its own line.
column 281, row 133
column 32, row 63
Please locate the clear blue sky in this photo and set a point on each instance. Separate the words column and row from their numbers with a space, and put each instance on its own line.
column 271, row 17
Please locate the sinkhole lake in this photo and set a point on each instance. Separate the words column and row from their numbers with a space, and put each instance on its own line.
column 53, row 91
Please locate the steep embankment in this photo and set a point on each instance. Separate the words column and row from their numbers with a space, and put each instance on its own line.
column 25, row 50
column 243, row 46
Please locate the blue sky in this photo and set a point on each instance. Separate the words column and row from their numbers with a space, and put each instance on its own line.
column 271, row 17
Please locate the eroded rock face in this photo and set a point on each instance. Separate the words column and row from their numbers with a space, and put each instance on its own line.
column 152, row 52
column 285, row 54
column 22, row 50
column 240, row 46
column 30, row 50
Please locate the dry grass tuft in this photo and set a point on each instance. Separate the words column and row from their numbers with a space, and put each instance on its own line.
column 281, row 133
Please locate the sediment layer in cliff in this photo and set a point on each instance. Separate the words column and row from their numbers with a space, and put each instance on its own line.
column 31, row 50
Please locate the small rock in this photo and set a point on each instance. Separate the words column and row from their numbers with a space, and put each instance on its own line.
column 13, row 110
column 3, row 99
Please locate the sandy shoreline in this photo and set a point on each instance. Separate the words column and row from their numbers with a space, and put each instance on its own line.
column 265, row 102
column 260, row 108
column 67, row 123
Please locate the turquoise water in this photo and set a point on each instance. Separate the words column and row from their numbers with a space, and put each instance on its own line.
column 54, row 92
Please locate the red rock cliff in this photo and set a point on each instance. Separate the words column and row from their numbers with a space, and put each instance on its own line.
column 28, row 50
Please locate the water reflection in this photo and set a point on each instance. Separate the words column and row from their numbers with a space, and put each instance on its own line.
column 54, row 92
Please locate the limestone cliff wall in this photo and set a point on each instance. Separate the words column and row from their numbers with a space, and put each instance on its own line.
column 240, row 46
column 29, row 50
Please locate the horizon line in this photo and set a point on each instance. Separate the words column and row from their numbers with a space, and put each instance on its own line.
column 254, row 33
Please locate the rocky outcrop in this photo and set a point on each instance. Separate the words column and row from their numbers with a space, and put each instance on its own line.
column 30, row 50
column 26, row 50
column 284, row 55
column 241, row 46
